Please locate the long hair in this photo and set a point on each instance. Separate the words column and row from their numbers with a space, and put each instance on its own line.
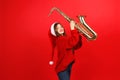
column 57, row 34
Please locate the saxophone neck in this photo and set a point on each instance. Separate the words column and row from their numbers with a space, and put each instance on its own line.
column 59, row 11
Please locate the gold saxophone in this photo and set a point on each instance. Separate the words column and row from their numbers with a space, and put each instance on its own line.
column 82, row 27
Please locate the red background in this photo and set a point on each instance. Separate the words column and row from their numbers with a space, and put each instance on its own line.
column 25, row 47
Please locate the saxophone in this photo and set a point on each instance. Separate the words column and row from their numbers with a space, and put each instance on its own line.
column 82, row 27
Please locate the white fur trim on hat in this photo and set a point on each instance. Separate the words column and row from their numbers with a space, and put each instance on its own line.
column 52, row 29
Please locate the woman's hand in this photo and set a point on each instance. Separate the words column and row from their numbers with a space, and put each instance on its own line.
column 51, row 62
column 72, row 25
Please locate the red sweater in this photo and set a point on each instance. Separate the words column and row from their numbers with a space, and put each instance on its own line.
column 65, row 47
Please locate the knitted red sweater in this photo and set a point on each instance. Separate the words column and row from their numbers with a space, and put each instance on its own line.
column 64, row 46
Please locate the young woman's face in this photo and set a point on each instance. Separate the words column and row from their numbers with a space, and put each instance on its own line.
column 60, row 29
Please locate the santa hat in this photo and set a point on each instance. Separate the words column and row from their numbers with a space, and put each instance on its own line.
column 53, row 38
column 52, row 29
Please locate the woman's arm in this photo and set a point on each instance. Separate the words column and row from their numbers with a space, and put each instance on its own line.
column 74, row 38
column 72, row 25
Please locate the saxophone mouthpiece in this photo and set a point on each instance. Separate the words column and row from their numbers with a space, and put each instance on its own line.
column 49, row 14
column 51, row 11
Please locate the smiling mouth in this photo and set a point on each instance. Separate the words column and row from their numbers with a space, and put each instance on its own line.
column 61, row 30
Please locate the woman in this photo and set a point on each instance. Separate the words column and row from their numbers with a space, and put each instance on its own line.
column 65, row 47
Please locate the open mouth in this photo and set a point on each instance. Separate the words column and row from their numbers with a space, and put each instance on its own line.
column 61, row 30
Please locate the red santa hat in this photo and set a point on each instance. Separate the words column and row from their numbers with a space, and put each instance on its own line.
column 53, row 38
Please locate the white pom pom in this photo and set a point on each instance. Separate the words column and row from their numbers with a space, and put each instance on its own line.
column 51, row 62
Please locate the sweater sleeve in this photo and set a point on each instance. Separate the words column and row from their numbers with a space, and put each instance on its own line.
column 79, row 44
column 73, row 39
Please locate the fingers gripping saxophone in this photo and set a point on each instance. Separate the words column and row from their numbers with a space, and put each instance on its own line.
column 82, row 26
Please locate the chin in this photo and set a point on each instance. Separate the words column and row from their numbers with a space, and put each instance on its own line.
column 61, row 32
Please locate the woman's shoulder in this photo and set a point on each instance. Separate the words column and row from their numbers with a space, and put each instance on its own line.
column 62, row 38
